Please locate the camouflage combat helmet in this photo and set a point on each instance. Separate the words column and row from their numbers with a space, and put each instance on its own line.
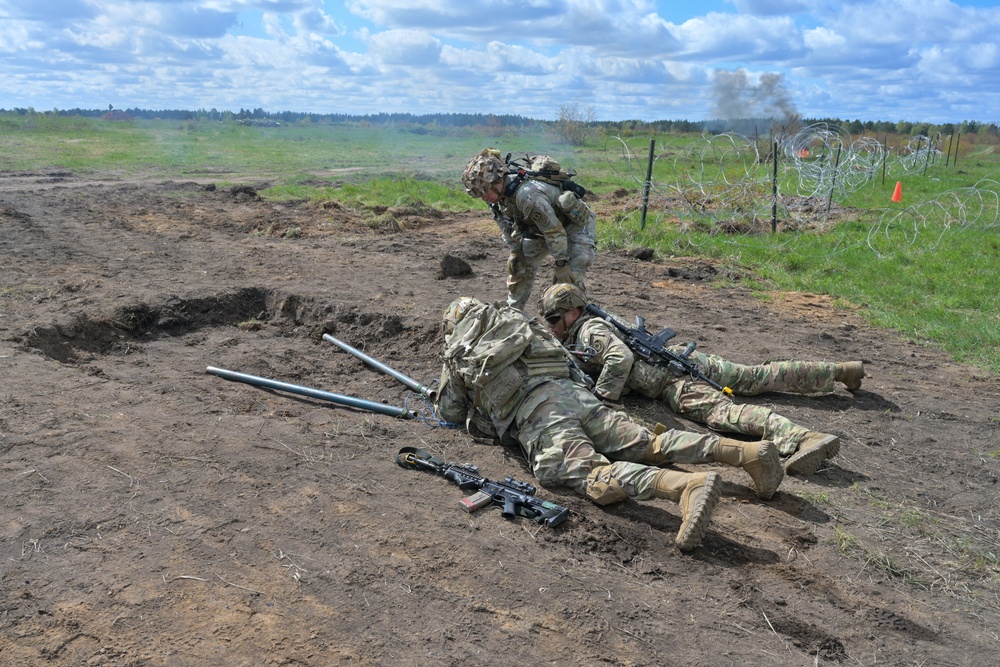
column 456, row 311
column 483, row 170
column 561, row 298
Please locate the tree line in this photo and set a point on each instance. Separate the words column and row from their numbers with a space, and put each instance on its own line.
column 495, row 122
column 291, row 117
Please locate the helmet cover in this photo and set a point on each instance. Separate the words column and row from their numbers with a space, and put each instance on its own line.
column 483, row 170
column 456, row 312
column 561, row 298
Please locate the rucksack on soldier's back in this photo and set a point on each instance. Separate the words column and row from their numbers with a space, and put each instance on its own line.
column 546, row 169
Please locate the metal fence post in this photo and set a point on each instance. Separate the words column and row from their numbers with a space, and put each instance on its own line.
column 645, row 186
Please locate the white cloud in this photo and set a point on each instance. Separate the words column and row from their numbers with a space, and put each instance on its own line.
column 738, row 37
column 625, row 25
column 824, row 40
column 317, row 21
column 984, row 56
column 412, row 48
column 517, row 56
column 53, row 12
column 629, row 70
column 442, row 14
column 273, row 26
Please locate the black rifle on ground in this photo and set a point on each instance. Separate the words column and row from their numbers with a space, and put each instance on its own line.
column 517, row 498
column 650, row 348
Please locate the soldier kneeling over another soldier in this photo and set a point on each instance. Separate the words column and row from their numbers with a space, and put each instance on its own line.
column 506, row 377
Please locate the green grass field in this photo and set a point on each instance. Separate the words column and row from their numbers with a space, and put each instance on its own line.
column 923, row 267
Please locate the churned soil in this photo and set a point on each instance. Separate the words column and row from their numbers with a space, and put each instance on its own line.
column 157, row 514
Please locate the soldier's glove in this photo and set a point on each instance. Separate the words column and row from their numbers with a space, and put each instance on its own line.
column 564, row 274
column 517, row 266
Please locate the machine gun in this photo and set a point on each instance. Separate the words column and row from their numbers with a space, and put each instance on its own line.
column 650, row 348
column 517, row 498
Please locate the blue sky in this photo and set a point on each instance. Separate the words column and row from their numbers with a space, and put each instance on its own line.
column 918, row 60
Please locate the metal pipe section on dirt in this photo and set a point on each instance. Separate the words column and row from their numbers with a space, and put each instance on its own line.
column 351, row 401
column 379, row 366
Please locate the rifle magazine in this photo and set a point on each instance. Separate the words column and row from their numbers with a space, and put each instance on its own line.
column 476, row 501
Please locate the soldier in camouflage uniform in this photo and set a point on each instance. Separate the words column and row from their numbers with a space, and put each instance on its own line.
column 616, row 370
column 536, row 219
column 506, row 377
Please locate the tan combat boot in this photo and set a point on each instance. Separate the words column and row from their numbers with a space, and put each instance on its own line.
column 759, row 459
column 697, row 494
column 813, row 450
column 850, row 374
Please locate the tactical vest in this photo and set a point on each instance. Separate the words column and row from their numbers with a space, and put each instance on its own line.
column 501, row 356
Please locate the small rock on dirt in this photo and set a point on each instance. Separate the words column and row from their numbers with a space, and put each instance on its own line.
column 454, row 267
column 642, row 254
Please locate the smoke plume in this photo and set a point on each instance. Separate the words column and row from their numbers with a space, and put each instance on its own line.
column 736, row 97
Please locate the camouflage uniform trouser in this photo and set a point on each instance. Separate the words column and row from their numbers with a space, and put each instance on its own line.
column 523, row 263
column 700, row 402
column 569, row 434
column 794, row 377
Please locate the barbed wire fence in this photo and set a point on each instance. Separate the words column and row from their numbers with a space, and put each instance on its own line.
column 737, row 185
column 976, row 207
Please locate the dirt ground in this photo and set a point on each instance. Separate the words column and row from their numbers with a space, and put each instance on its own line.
column 156, row 514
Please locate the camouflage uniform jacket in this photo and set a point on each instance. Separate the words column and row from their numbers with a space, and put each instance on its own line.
column 493, row 361
column 605, row 357
column 542, row 210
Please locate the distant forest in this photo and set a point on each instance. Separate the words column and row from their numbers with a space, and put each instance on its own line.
column 427, row 122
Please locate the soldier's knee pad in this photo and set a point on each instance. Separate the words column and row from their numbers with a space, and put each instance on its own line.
column 603, row 489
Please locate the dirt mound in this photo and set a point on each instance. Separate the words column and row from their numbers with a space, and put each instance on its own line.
column 454, row 267
column 156, row 514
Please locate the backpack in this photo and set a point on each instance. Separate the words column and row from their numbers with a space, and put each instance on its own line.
column 542, row 168
column 497, row 352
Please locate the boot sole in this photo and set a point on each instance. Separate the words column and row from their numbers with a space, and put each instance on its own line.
column 772, row 472
column 691, row 534
column 808, row 461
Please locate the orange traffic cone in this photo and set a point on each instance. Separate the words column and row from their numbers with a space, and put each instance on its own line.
column 897, row 195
